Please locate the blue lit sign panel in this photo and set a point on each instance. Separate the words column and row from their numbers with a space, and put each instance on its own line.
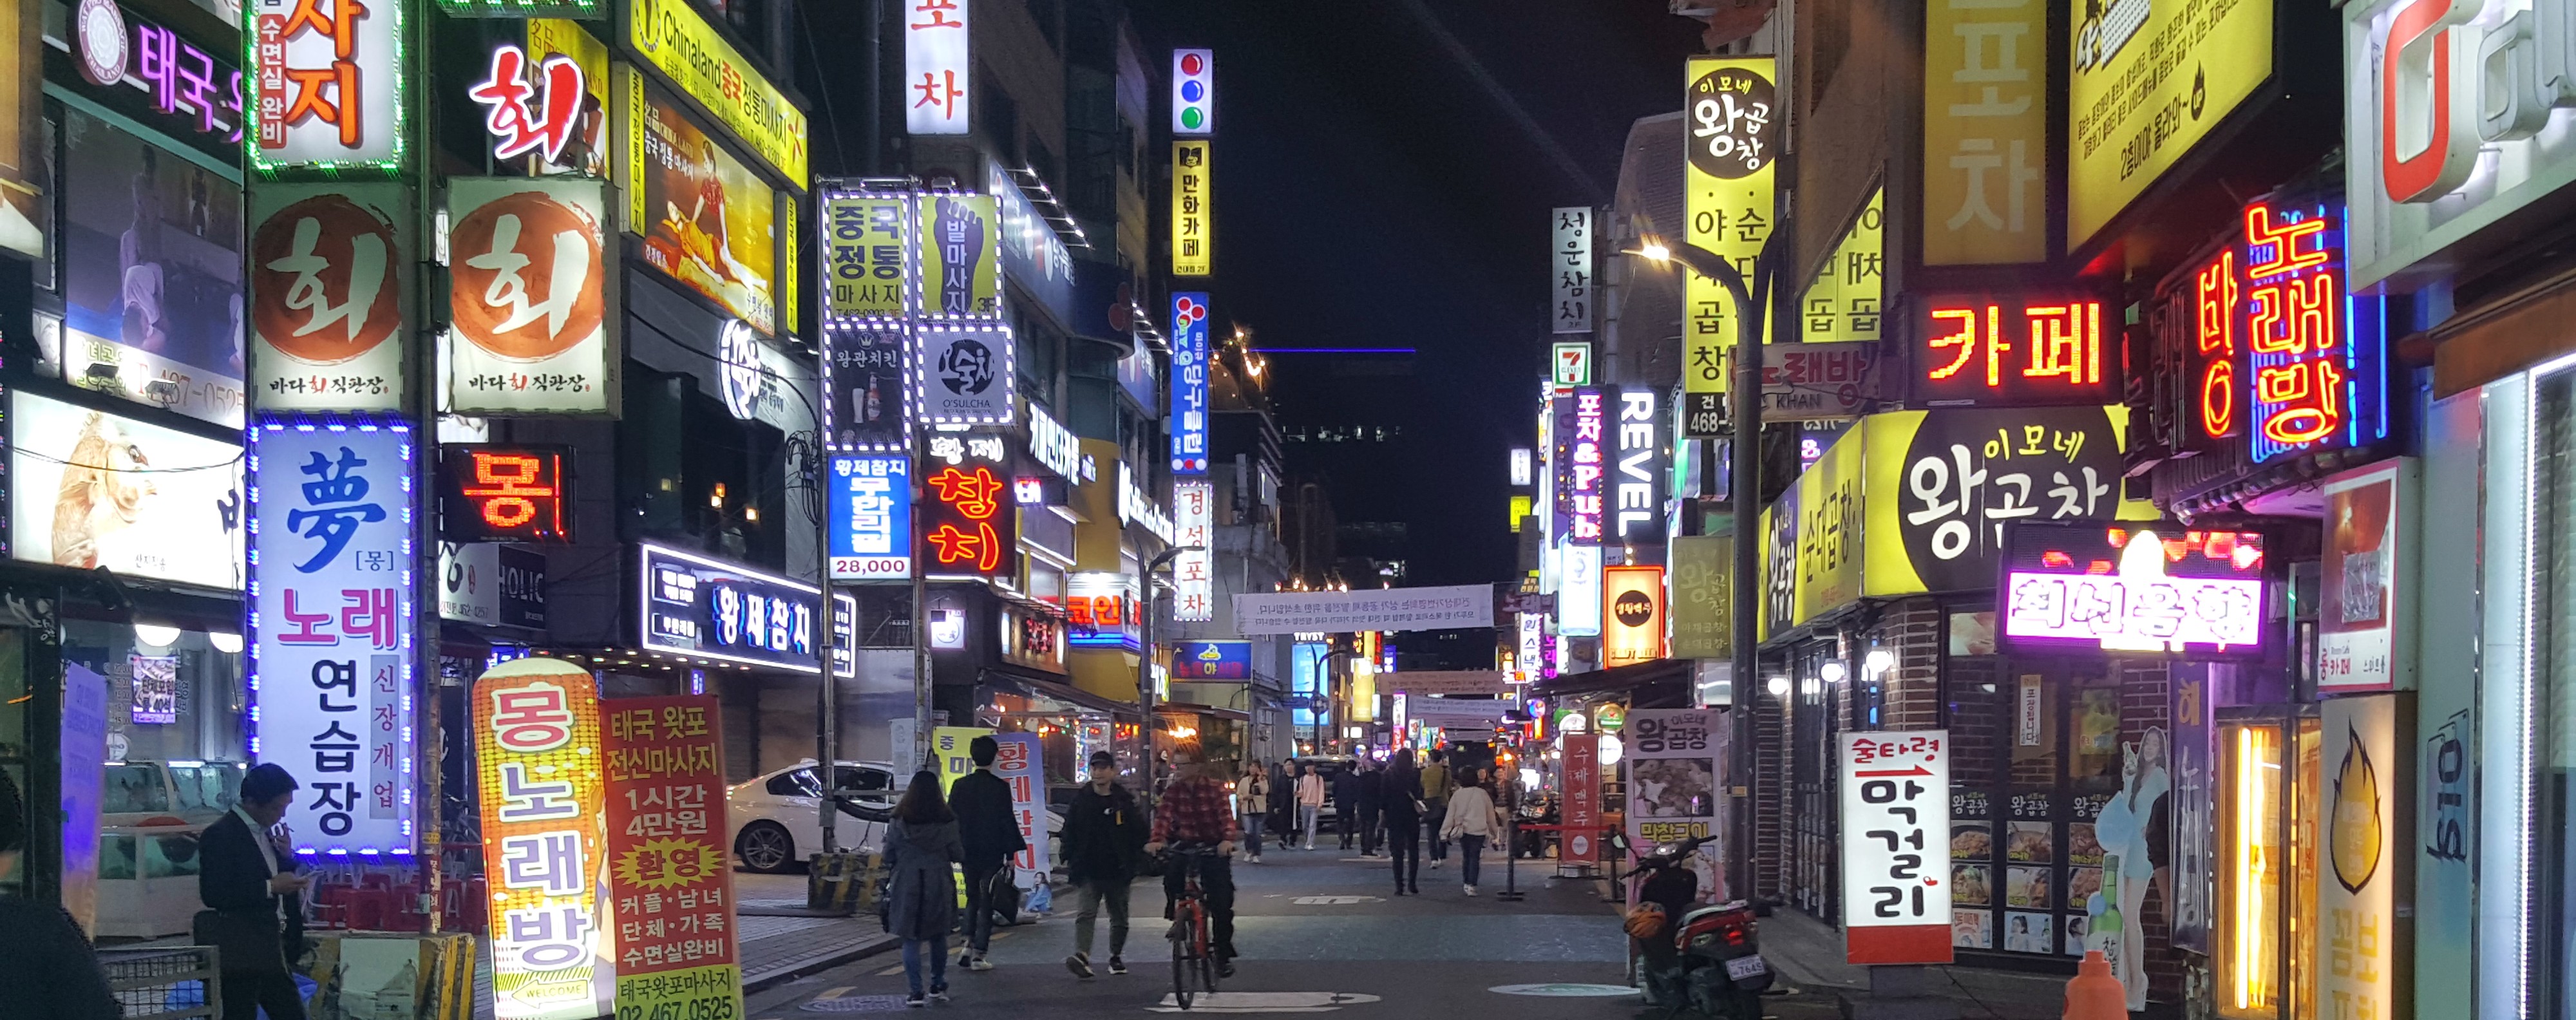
column 871, row 517
column 700, row 608
column 1189, row 384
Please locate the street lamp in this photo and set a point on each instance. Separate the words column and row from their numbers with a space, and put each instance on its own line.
column 1145, row 651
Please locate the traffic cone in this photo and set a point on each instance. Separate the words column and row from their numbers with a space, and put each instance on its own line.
column 2093, row 994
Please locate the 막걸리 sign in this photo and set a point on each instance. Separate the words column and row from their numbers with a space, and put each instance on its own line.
column 1896, row 846
column 1457, row 606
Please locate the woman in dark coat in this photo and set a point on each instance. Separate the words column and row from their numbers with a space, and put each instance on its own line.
column 921, row 898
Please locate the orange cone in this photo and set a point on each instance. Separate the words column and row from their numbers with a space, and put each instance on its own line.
column 2094, row 994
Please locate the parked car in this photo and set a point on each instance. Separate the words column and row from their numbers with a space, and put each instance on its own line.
column 777, row 817
column 150, row 815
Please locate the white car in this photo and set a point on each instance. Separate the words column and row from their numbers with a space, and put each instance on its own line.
column 777, row 817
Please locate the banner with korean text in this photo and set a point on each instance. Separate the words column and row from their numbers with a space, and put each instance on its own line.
column 530, row 300
column 537, row 766
column 1021, row 763
column 331, row 622
column 328, row 310
column 1446, row 608
column 1896, row 846
column 1675, row 791
column 670, row 873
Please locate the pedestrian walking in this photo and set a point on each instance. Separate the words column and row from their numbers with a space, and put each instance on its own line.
column 1473, row 822
column 1193, row 811
column 1346, row 804
column 1400, row 792
column 921, row 896
column 1252, row 807
column 988, row 827
column 1283, row 805
column 1310, row 800
column 1435, row 802
column 47, row 967
column 254, row 916
column 1372, row 806
column 1103, row 834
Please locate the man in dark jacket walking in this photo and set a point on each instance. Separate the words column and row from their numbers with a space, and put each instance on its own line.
column 1346, row 802
column 1372, row 803
column 990, row 829
column 254, row 899
column 1103, row 835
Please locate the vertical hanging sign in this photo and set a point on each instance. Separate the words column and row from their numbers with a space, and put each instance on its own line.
column 669, row 868
column 1896, row 846
column 1193, row 92
column 938, row 67
column 1189, row 417
column 1194, row 573
column 867, row 256
column 531, row 302
column 1193, row 250
column 332, row 621
column 1571, row 257
column 1731, row 131
column 1582, row 779
column 329, row 314
column 1985, row 132
column 328, row 84
column 537, row 763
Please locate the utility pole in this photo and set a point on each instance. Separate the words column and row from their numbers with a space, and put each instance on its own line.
column 1145, row 653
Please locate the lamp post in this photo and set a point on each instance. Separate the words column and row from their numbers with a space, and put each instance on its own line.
column 1145, row 652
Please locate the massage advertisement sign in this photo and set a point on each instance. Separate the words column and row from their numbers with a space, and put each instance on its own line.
column 669, row 868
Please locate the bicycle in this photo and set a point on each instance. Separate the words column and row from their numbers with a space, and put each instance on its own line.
column 1192, row 950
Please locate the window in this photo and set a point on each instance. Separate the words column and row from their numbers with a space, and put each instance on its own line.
column 2553, row 754
column 799, row 783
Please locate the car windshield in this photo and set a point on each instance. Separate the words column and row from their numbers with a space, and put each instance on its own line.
column 210, row 787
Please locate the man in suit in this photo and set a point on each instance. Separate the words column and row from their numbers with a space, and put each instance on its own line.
column 989, row 826
column 254, row 899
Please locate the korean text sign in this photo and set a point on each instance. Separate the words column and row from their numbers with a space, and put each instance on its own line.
column 1731, row 128
column 871, row 517
column 1212, row 660
column 1570, row 262
column 1985, row 132
column 537, row 766
column 670, row 868
column 2015, row 349
column 2370, row 554
column 1194, row 573
column 2148, row 82
column 1190, row 383
column 868, row 373
column 1675, row 789
column 1386, row 609
column 678, row 42
column 331, row 559
column 2071, row 585
column 329, row 310
column 960, row 238
column 708, row 221
column 505, row 493
column 1581, row 840
column 531, row 302
column 867, row 255
column 1021, row 763
column 1193, row 208
column 1843, row 304
column 1896, row 846
column 2361, row 920
column 938, row 67
column 697, row 607
column 327, row 84
column 969, row 523
column 1941, row 485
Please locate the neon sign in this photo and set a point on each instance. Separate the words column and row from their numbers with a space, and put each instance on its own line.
column 518, row 127
column 1582, row 455
column 506, row 494
column 2153, row 589
column 2014, row 350
column 2311, row 361
column 2214, row 294
column 968, row 523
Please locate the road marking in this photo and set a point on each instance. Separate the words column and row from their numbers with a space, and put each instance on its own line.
column 1335, row 901
column 1566, row 990
column 1264, row 1002
column 891, row 971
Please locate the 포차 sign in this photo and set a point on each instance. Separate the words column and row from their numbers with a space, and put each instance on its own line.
column 1896, row 846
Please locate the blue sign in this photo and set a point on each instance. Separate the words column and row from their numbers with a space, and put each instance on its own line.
column 871, row 517
column 1189, row 384
column 1306, row 679
column 1212, row 660
column 708, row 609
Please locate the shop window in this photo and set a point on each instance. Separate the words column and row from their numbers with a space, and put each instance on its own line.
column 2252, row 860
column 2552, row 965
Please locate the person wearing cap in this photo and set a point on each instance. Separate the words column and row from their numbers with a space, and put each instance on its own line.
column 254, row 915
column 47, row 968
column 1102, row 838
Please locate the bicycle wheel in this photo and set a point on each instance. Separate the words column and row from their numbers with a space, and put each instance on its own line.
column 1181, row 973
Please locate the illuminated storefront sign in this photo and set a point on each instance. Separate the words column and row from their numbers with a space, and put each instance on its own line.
column 525, row 116
column 2147, row 82
column 187, row 85
column 1056, row 447
column 330, row 82
column 1578, row 592
column 1632, row 614
column 669, row 864
column 871, row 517
column 1570, row 262
column 1190, row 383
column 1896, row 847
column 1731, row 125
column 2359, row 910
column 1571, row 363
column 2368, row 586
column 672, row 37
column 2012, row 350
column 1194, row 572
column 1985, row 133
column 2312, row 357
column 969, row 522
column 1193, row 209
column 1637, row 505
column 866, row 383
column 700, row 608
column 1582, row 449
column 506, row 494
column 1702, row 599
column 938, row 67
column 1212, row 660
column 1843, row 303
column 1523, row 470
column 332, row 624
column 1533, row 637
column 1100, row 610
column 1136, row 507
column 2159, row 588
column 866, row 240
column 959, row 257
column 530, row 299
column 1193, row 92
column 967, row 375
column 538, row 770
column 1032, row 637
column 1818, row 382
column 329, row 309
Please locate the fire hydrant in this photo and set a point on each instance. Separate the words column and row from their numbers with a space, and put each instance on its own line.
column 2094, row 994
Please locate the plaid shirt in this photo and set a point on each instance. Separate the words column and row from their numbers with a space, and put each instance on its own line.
column 1196, row 811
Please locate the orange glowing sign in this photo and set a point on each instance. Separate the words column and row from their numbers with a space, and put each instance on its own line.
column 2012, row 350
column 970, row 522
column 506, row 494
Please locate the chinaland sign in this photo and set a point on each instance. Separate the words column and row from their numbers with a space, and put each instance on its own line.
column 1332, row 612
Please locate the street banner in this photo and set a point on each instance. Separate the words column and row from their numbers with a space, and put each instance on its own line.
column 1022, row 763
column 1445, row 681
column 1896, row 847
column 1582, row 807
column 1386, row 609
column 670, row 875
column 537, row 765
column 1673, row 789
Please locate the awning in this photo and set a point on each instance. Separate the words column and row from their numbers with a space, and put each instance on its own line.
column 1641, row 681
column 1009, row 679
column 1206, row 710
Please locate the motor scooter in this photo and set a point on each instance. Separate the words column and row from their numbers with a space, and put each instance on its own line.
column 1706, row 961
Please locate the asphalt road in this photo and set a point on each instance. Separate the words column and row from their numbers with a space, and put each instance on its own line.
column 1319, row 933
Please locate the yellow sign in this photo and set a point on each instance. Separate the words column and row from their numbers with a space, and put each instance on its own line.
column 1520, row 509
column 960, row 239
column 1731, row 129
column 953, row 748
column 1985, row 132
column 1632, row 614
column 2148, row 82
column 1829, row 532
column 587, row 154
column 675, row 40
column 537, row 742
column 789, row 273
column 1702, row 605
column 867, row 254
column 1193, row 210
column 1843, row 302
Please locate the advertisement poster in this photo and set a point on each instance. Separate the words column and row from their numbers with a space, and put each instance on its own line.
column 1731, row 120
column 871, row 517
column 1021, row 762
column 676, row 40
column 2363, row 932
column 707, row 220
column 332, row 622
column 669, row 868
column 329, row 308
column 961, row 251
column 23, row 204
column 1580, row 843
column 2116, row 911
column 90, row 489
column 530, row 297
column 152, row 273
column 537, row 769
column 1674, row 790
column 2193, row 888
column 866, row 403
column 1896, row 840
column 2148, row 82
column 2368, row 562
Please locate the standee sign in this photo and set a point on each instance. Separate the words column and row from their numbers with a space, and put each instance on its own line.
column 669, row 865
column 537, row 761
column 1896, row 847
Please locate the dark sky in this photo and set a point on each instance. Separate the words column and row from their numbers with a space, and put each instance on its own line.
column 1384, row 171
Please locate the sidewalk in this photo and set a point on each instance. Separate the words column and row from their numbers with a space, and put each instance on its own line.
column 772, row 950
column 1810, row 954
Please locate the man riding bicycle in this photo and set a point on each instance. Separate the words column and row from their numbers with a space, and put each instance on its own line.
column 1196, row 809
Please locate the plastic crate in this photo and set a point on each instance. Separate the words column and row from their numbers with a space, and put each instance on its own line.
column 163, row 983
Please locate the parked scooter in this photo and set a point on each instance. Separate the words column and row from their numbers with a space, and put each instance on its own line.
column 1705, row 961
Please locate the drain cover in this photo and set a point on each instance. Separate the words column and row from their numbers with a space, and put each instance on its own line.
column 856, row 1004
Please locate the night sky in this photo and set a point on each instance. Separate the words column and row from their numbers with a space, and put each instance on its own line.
column 1384, row 171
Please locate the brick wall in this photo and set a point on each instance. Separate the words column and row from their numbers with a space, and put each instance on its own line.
column 1912, row 630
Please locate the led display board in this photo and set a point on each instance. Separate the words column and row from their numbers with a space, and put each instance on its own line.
column 2147, row 587
column 505, row 494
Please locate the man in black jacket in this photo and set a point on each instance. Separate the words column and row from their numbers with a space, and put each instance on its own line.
column 1102, row 837
column 254, row 899
column 990, row 828
column 1372, row 802
column 1346, row 801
